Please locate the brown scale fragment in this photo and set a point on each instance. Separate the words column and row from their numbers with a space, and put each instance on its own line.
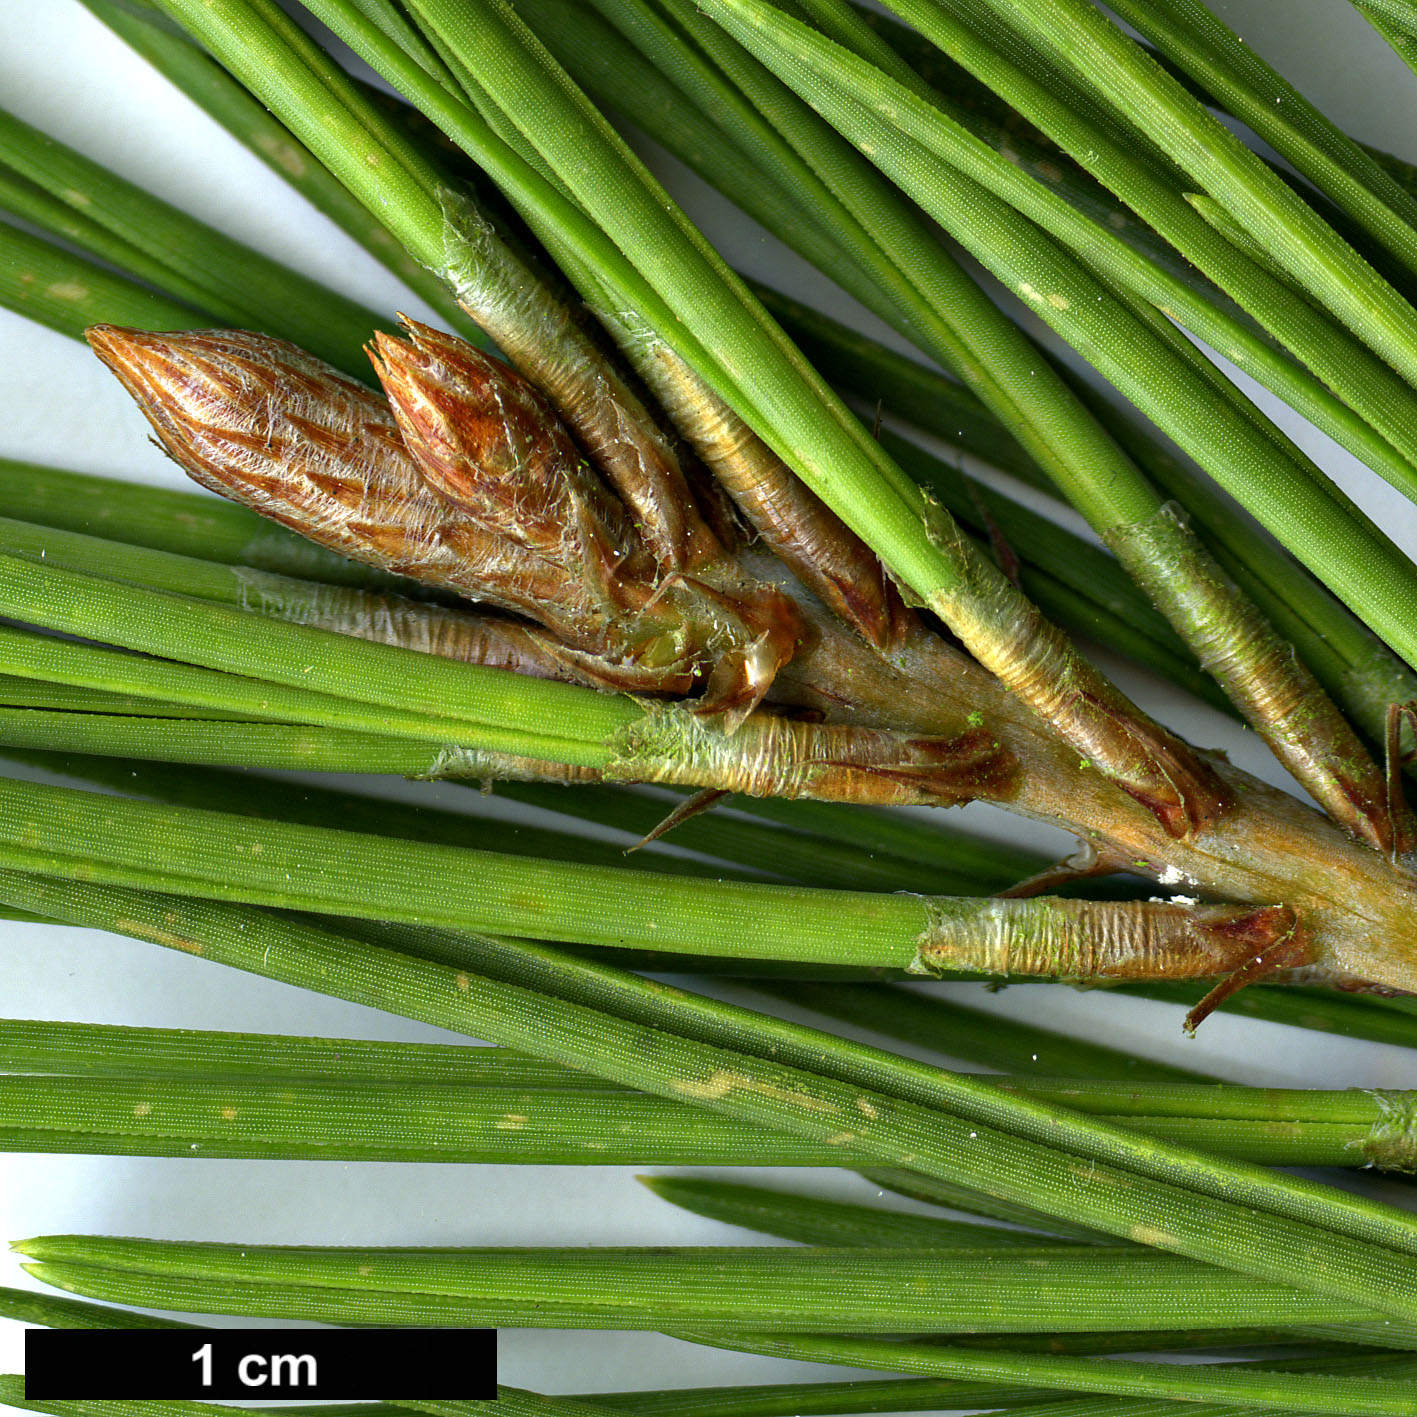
column 694, row 806
column 1266, row 939
column 1004, row 554
column 1086, row 862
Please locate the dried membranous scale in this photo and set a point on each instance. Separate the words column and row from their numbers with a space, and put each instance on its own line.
column 492, row 446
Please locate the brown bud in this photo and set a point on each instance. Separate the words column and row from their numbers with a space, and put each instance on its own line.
column 499, row 505
column 262, row 422
column 493, row 445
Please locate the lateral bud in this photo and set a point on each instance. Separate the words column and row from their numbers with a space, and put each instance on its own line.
column 490, row 444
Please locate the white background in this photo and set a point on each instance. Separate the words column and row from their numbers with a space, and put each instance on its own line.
column 60, row 70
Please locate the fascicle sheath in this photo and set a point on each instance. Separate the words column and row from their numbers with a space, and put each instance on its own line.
column 1011, row 637
column 784, row 757
column 1099, row 940
column 821, row 550
column 539, row 332
column 1262, row 675
column 392, row 620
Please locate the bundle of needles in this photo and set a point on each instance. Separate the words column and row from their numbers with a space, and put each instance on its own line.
column 661, row 557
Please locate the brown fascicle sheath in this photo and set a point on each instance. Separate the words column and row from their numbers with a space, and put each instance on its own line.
column 1265, row 679
column 801, row 530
